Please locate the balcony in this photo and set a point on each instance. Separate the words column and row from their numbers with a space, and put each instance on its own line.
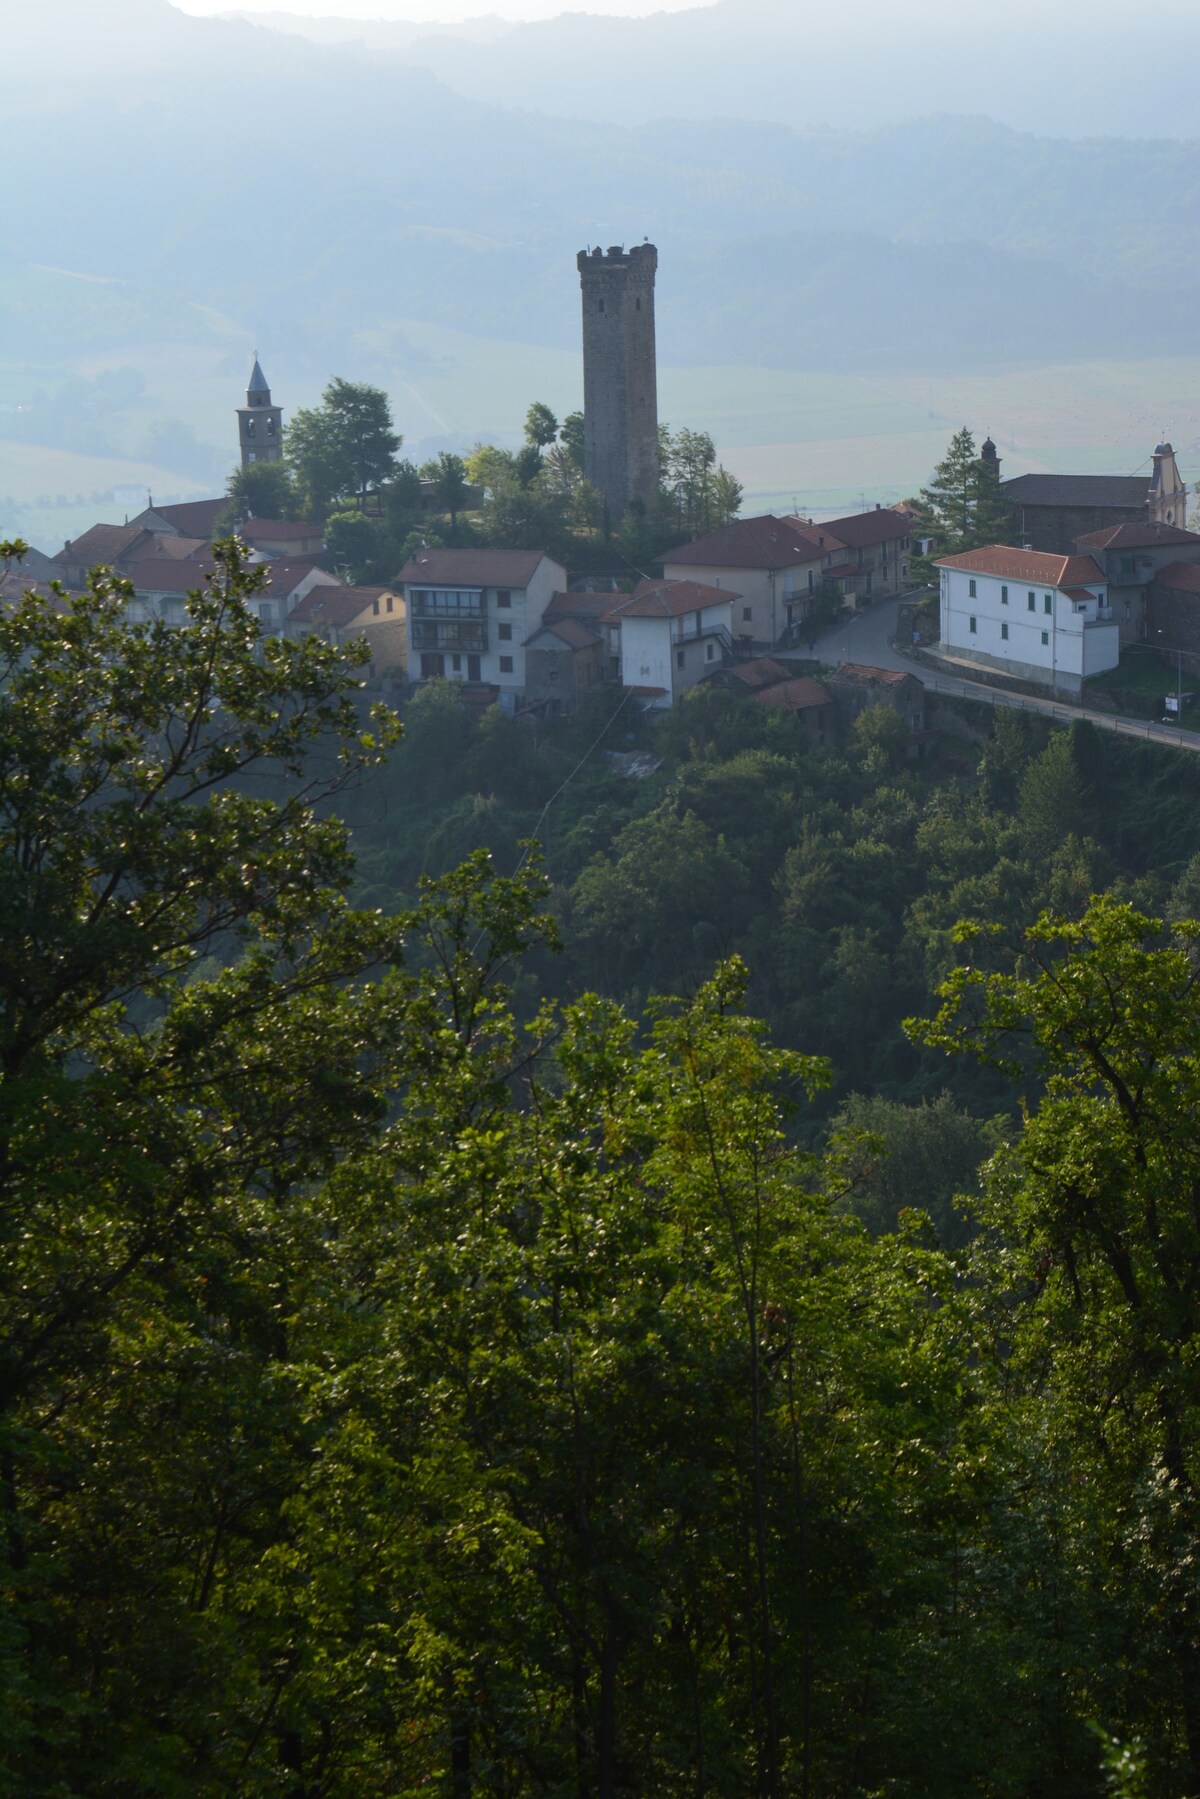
column 455, row 634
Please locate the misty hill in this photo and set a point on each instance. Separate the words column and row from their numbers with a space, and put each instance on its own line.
column 1063, row 70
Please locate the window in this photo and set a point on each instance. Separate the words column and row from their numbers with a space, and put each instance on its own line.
column 679, row 658
column 249, row 427
column 1031, row 600
column 1045, row 636
column 389, row 602
column 506, row 665
column 503, row 596
column 637, row 305
column 972, row 623
column 971, row 587
column 1004, row 596
column 250, row 456
column 504, row 633
column 375, row 608
column 264, row 615
column 1004, row 630
column 710, row 650
column 748, row 613
column 1049, row 604
column 270, row 427
column 472, row 668
column 602, row 306
column 456, row 664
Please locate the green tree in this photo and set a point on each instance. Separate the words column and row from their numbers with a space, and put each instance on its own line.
column 1099, row 1277
column 344, row 448
column 541, row 426
column 450, row 486
column 261, row 490
column 571, row 437
column 962, row 507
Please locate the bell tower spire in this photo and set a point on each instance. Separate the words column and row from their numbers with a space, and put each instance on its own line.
column 260, row 425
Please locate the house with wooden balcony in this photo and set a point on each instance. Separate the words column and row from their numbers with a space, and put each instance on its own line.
column 470, row 614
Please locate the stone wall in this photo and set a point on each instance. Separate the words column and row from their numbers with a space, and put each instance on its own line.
column 620, row 381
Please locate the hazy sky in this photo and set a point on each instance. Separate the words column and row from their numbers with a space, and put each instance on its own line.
column 442, row 11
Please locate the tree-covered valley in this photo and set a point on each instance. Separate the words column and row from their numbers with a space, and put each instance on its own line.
column 432, row 1362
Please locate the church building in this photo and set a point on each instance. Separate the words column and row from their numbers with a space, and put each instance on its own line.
column 260, row 425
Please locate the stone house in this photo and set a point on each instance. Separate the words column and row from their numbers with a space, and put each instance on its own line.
column 1051, row 512
column 1131, row 557
column 564, row 660
column 814, row 705
column 1173, row 612
column 857, row 685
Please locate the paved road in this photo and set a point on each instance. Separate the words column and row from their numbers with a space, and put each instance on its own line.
column 867, row 637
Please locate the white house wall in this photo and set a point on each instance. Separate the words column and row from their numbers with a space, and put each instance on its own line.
column 1058, row 642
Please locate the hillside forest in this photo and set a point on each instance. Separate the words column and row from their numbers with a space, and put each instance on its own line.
column 602, row 1261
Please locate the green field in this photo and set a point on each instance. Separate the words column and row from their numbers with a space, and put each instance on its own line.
column 825, row 442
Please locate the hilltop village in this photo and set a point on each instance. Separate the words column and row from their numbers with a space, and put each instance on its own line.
column 1035, row 584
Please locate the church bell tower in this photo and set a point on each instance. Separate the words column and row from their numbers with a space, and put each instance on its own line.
column 1167, row 499
column 260, row 425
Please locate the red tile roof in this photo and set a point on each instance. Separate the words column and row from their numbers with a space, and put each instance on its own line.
column 1184, row 576
column 865, row 672
column 166, row 574
column 797, row 695
column 670, row 599
column 165, row 545
column 862, row 529
column 339, row 605
column 101, row 545
column 1135, row 537
column 571, row 631
column 471, row 568
column 762, row 671
column 763, row 542
column 580, row 605
column 1038, row 566
column 192, row 518
column 283, row 578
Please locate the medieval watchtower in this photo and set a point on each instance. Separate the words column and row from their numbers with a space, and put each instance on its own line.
column 620, row 383
column 260, row 425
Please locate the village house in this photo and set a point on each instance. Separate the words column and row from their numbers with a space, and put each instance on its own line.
column 673, row 634
column 1173, row 612
column 1028, row 614
column 878, row 547
column 282, row 536
column 811, row 703
column 470, row 614
column 565, row 659
column 342, row 615
column 1131, row 557
column 858, row 685
column 186, row 518
column 161, row 585
column 773, row 565
column 1051, row 512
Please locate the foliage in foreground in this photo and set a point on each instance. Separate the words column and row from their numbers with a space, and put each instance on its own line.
column 401, row 1397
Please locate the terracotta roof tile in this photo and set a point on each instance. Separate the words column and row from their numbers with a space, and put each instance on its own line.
column 340, row 605
column 1026, row 565
column 1183, row 576
column 670, row 599
column 762, row 671
column 800, row 694
column 763, row 542
column 862, row 529
column 471, row 568
column 1136, row 537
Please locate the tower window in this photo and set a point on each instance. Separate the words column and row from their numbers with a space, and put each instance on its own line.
column 249, row 427
column 270, row 427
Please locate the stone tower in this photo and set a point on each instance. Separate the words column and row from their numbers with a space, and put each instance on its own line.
column 1167, row 499
column 260, row 425
column 620, row 382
